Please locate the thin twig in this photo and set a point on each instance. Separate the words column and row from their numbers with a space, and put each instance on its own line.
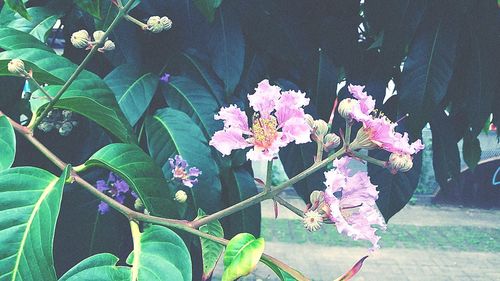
column 289, row 206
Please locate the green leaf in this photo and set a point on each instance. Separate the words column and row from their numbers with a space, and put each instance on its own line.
column 100, row 267
column 108, row 12
column 208, row 7
column 90, row 6
column 285, row 274
column 133, row 90
column 429, row 66
column 141, row 172
column 227, row 49
column 326, row 86
column 19, row 7
column 188, row 96
column 94, row 100
column 242, row 255
column 238, row 185
column 160, row 254
column 172, row 132
column 29, row 202
column 471, row 150
column 7, row 143
column 40, row 25
column 210, row 250
column 11, row 39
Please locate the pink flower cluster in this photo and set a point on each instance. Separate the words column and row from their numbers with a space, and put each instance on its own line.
column 351, row 200
column 278, row 120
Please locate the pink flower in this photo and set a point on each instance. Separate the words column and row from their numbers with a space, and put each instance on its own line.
column 278, row 120
column 366, row 104
column 351, row 201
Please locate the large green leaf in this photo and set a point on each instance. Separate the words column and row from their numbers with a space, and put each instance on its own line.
column 100, row 267
column 172, row 132
column 90, row 6
column 133, row 90
column 208, row 7
column 7, row 143
column 160, row 254
column 94, row 100
column 29, row 203
column 238, row 185
column 429, row 66
column 188, row 96
column 11, row 39
column 227, row 48
column 141, row 172
column 326, row 86
column 210, row 250
column 242, row 255
column 19, row 7
column 40, row 25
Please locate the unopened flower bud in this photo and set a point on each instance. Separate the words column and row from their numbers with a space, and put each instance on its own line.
column 80, row 39
column 16, row 66
column 320, row 128
column 108, row 46
column 138, row 205
column 331, row 141
column 316, row 196
column 309, row 120
column 65, row 129
column 67, row 114
column 98, row 34
column 46, row 126
column 312, row 220
column 345, row 107
column 181, row 196
column 156, row 24
column 400, row 162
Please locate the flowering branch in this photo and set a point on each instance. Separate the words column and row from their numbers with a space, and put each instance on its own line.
column 289, row 206
column 81, row 67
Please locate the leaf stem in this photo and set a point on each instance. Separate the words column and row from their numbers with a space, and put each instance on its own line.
column 319, row 151
column 136, row 238
column 289, row 206
column 133, row 20
column 370, row 159
column 81, row 67
column 269, row 176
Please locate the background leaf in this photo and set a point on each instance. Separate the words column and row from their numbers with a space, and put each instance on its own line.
column 40, row 25
column 242, row 255
column 7, row 143
column 133, row 90
column 208, row 7
column 210, row 250
column 90, row 6
column 100, row 267
column 11, row 39
column 29, row 201
column 19, row 7
column 471, row 151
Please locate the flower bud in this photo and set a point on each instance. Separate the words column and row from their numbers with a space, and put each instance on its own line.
column 67, row 114
column 180, row 196
column 98, row 34
column 108, row 46
column 331, row 141
column 400, row 162
column 138, row 205
column 16, row 66
column 345, row 107
column 156, row 24
column 312, row 220
column 80, row 39
column 309, row 120
column 316, row 196
column 45, row 126
column 320, row 128
column 65, row 129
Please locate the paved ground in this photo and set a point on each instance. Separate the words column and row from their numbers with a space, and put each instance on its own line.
column 422, row 243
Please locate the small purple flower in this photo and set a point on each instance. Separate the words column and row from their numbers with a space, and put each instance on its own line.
column 180, row 171
column 165, row 78
column 116, row 188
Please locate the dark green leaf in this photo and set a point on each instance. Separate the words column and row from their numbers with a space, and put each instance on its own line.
column 133, row 90
column 208, row 7
column 238, row 185
column 188, row 96
column 429, row 65
column 29, row 203
column 108, row 12
column 100, row 267
column 172, row 132
column 326, row 86
column 7, row 143
column 19, row 7
column 11, row 39
column 210, row 250
column 471, row 150
column 162, row 254
column 242, row 255
column 143, row 175
column 227, row 49
column 40, row 25
column 90, row 6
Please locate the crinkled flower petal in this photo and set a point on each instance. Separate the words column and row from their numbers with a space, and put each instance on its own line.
column 233, row 117
column 227, row 140
column 265, row 98
column 296, row 129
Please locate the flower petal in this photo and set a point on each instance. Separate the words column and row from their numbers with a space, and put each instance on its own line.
column 233, row 117
column 265, row 98
column 227, row 140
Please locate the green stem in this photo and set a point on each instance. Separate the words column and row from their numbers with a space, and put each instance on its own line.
column 289, row 206
column 370, row 159
column 267, row 195
column 347, row 136
column 81, row 67
column 269, row 175
column 136, row 238
column 39, row 87
column 133, row 20
column 319, row 151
